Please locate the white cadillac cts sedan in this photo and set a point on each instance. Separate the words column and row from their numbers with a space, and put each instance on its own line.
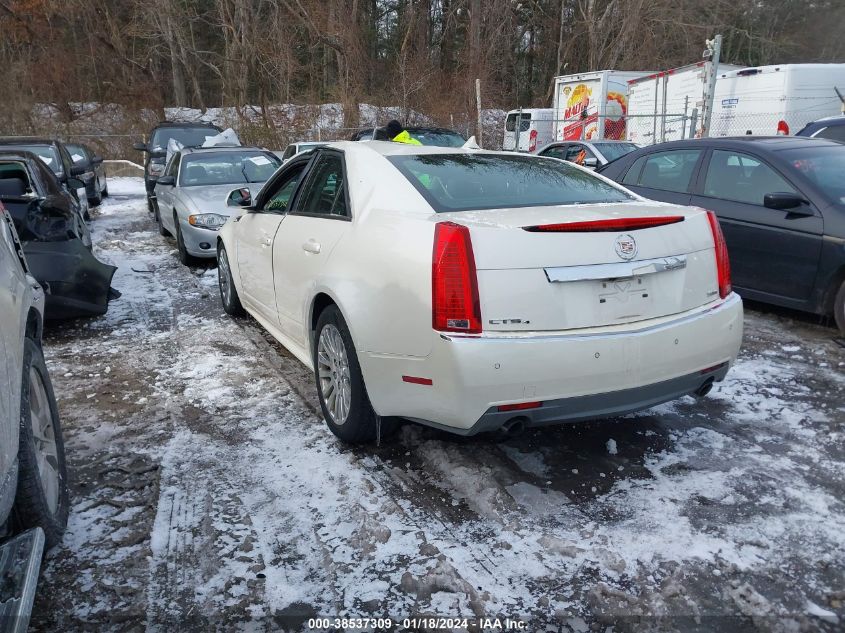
column 474, row 291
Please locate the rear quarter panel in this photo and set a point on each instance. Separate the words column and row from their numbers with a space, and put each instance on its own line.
column 380, row 271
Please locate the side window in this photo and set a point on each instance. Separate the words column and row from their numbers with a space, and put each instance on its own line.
column 556, row 152
column 289, row 152
column 632, row 176
column 324, row 192
column 834, row 133
column 667, row 171
column 284, row 189
column 578, row 154
column 742, row 178
column 173, row 168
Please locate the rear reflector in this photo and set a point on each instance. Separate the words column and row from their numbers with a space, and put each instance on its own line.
column 416, row 380
column 522, row 406
column 723, row 266
column 601, row 226
column 709, row 370
column 454, row 284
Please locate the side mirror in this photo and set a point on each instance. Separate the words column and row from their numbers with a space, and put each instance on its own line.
column 783, row 201
column 239, row 198
column 166, row 181
column 592, row 162
column 77, row 170
column 141, row 147
column 97, row 159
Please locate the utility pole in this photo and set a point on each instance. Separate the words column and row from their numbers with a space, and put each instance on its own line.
column 478, row 128
column 712, row 55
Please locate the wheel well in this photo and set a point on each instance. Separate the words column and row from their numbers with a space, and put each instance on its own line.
column 33, row 326
column 321, row 302
column 833, row 288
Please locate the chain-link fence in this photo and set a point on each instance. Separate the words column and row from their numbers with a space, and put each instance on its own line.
column 535, row 131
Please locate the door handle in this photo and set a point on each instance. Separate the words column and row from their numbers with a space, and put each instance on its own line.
column 311, row 247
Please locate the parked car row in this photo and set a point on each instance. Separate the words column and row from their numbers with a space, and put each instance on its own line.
column 47, row 197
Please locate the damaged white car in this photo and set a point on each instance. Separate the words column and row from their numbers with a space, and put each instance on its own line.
column 475, row 291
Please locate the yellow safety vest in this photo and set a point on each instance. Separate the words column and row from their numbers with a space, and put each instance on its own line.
column 404, row 137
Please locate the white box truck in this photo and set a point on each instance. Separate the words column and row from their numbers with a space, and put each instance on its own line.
column 592, row 105
column 661, row 105
column 535, row 129
column 770, row 100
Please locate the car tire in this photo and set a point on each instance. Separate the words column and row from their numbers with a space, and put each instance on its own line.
column 41, row 499
column 226, row 282
column 161, row 230
column 184, row 256
column 96, row 201
column 151, row 206
column 839, row 309
column 340, row 383
column 105, row 192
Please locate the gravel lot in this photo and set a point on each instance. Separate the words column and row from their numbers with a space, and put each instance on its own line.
column 208, row 493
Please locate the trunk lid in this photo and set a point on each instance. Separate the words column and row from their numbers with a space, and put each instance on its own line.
column 532, row 280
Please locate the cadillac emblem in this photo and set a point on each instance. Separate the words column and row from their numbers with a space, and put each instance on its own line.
column 625, row 246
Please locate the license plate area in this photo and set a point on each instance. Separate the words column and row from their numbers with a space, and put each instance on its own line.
column 626, row 298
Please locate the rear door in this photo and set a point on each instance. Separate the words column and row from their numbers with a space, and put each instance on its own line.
column 665, row 175
column 254, row 234
column 320, row 216
column 771, row 251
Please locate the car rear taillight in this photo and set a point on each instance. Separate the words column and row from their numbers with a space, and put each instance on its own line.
column 723, row 266
column 532, row 141
column 600, row 226
column 454, row 283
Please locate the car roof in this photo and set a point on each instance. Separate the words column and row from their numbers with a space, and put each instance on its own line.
column 391, row 148
column 189, row 124
column 16, row 154
column 27, row 140
column 765, row 143
column 221, row 148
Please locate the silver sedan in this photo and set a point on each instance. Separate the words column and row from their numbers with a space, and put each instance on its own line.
column 191, row 195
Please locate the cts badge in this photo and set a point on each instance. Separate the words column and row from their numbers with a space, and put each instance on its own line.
column 625, row 246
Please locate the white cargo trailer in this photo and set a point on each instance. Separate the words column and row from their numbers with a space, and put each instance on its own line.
column 661, row 105
column 770, row 100
column 592, row 105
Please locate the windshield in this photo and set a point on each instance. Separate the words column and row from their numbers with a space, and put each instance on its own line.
column 46, row 153
column 461, row 182
column 77, row 154
column 823, row 166
column 612, row 151
column 438, row 138
column 227, row 168
column 187, row 136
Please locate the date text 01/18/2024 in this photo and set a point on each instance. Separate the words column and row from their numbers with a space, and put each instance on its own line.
column 428, row 623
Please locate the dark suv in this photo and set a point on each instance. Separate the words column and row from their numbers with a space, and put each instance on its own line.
column 188, row 134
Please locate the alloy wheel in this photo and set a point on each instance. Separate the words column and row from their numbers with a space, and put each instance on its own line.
column 44, row 438
column 224, row 277
column 333, row 373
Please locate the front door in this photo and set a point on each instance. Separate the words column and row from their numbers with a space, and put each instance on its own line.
column 319, row 218
column 771, row 251
column 255, row 232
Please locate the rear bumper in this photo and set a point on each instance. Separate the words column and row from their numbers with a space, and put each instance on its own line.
column 581, row 375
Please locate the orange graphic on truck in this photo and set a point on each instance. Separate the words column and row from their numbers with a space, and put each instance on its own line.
column 581, row 119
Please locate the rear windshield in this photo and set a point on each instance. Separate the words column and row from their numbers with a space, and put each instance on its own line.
column 464, row 182
column 187, row 136
column 612, row 151
column 824, row 166
column 227, row 168
column 46, row 153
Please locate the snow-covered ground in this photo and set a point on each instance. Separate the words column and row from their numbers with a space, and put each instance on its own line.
column 208, row 493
